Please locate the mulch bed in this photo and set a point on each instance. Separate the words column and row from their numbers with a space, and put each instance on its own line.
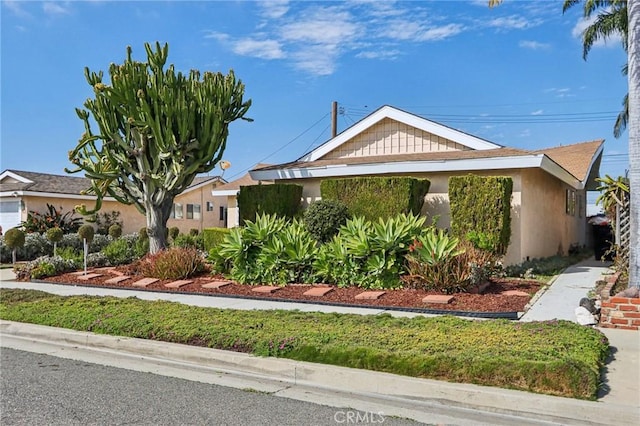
column 491, row 300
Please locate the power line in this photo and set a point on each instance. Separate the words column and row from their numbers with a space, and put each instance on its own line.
column 282, row 147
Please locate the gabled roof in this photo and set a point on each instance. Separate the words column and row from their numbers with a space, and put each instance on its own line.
column 404, row 117
column 576, row 164
column 576, row 158
column 42, row 182
column 34, row 183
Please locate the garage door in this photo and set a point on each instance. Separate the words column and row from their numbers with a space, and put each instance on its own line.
column 9, row 214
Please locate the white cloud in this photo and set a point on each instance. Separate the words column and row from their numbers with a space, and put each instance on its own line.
column 57, row 8
column 563, row 92
column 418, row 32
column 534, row 45
column 538, row 112
column 264, row 49
column 525, row 133
column 317, row 60
column 323, row 26
column 274, row 9
column 16, row 8
column 513, row 22
column 222, row 37
column 379, row 54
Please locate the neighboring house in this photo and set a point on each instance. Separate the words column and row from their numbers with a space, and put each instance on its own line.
column 548, row 206
column 226, row 197
column 22, row 192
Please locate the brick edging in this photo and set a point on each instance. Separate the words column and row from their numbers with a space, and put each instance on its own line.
column 618, row 312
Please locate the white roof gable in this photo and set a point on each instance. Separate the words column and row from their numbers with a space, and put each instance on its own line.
column 387, row 111
column 12, row 175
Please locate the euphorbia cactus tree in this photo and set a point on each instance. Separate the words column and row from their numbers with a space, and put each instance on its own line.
column 157, row 129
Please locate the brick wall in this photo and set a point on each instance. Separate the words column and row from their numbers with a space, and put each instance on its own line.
column 619, row 312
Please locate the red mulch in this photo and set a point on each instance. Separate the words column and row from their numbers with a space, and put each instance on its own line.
column 490, row 301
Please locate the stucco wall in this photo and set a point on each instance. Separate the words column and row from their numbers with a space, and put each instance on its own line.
column 547, row 228
column 392, row 137
column 132, row 219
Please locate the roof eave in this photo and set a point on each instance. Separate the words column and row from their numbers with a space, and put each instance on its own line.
column 494, row 163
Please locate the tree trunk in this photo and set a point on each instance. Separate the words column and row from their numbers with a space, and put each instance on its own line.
column 633, row 10
column 157, row 217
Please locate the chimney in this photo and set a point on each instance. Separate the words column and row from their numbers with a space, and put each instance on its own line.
column 334, row 119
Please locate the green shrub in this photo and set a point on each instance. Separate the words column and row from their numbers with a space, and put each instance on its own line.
column 172, row 264
column 323, row 219
column 120, row 252
column 193, row 241
column 52, row 218
column 278, row 199
column 97, row 260
column 481, row 210
column 86, row 232
column 377, row 197
column 115, row 231
column 437, row 261
column 212, row 237
column 43, row 270
column 55, row 236
column 194, row 232
column 14, row 239
column 174, row 231
column 44, row 266
column 71, row 254
column 369, row 255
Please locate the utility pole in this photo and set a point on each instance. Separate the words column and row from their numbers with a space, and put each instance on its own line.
column 334, row 119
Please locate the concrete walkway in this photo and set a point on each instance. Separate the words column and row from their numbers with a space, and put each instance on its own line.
column 620, row 392
column 561, row 299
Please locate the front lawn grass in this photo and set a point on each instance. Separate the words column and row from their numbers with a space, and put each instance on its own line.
column 557, row 357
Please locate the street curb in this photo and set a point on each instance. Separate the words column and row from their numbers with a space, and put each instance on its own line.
column 364, row 382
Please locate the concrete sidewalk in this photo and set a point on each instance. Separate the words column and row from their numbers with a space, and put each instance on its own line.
column 620, row 393
column 563, row 296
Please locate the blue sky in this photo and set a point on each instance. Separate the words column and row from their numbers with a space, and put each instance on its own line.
column 513, row 74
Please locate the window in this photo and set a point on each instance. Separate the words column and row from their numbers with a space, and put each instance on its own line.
column 222, row 212
column 570, row 206
column 176, row 212
column 209, row 206
column 193, row 211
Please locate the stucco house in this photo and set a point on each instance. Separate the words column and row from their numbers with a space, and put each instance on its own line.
column 23, row 191
column 548, row 206
column 226, row 195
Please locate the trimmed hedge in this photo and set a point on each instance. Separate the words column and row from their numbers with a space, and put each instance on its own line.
column 481, row 209
column 377, row 197
column 281, row 199
column 213, row 237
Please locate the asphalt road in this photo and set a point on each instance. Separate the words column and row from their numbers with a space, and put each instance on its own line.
column 39, row 389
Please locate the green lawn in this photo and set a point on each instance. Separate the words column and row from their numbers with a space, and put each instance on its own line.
column 557, row 358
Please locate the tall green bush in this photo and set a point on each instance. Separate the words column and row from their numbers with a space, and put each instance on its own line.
column 377, row 197
column 481, row 210
column 213, row 237
column 280, row 199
